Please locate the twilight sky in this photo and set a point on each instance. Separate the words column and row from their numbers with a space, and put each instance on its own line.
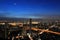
column 29, row 8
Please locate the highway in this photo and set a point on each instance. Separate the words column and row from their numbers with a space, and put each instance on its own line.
column 43, row 30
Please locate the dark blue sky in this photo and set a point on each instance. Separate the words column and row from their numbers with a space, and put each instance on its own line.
column 29, row 8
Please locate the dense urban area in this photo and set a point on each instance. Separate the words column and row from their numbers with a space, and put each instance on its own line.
column 30, row 30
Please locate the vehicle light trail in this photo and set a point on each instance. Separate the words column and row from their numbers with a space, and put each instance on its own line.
column 43, row 30
column 30, row 37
